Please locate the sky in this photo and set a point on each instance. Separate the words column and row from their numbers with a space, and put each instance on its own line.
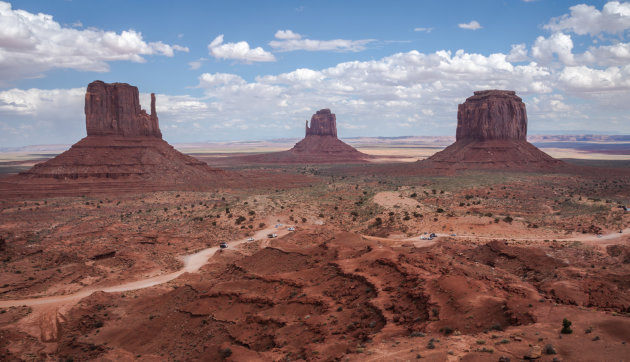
column 256, row 70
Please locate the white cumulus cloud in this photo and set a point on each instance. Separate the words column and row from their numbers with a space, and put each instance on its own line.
column 290, row 41
column 584, row 19
column 31, row 44
column 558, row 44
column 238, row 51
column 473, row 25
column 518, row 53
column 287, row 34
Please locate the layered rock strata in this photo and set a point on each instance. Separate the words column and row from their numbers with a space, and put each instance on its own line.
column 491, row 133
column 320, row 145
column 323, row 123
column 114, row 109
column 123, row 151
column 492, row 115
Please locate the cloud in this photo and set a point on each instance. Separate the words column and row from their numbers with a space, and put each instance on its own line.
column 473, row 25
column 586, row 19
column 558, row 44
column 518, row 53
column 287, row 34
column 196, row 64
column 426, row 87
column 238, row 51
column 424, row 30
column 290, row 41
column 31, row 44
column 606, row 55
column 589, row 80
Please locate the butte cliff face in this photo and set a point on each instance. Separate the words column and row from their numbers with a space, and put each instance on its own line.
column 491, row 133
column 123, row 152
column 323, row 123
column 320, row 145
column 114, row 109
column 492, row 115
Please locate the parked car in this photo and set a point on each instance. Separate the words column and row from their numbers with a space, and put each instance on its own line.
column 271, row 236
column 250, row 239
column 453, row 234
column 223, row 245
column 433, row 235
column 291, row 228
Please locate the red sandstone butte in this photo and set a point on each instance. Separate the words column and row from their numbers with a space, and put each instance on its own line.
column 320, row 145
column 114, row 109
column 123, row 152
column 492, row 115
column 323, row 123
column 491, row 133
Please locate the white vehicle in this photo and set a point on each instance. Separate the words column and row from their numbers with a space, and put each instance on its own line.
column 423, row 237
column 250, row 239
column 271, row 236
column 291, row 228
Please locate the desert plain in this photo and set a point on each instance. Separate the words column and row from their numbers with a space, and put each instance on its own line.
column 111, row 276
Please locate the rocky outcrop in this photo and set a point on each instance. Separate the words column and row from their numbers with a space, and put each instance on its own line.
column 123, row 152
column 491, row 134
column 323, row 123
column 492, row 115
column 114, row 109
column 320, row 145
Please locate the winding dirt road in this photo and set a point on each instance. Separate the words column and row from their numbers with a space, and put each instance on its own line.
column 192, row 264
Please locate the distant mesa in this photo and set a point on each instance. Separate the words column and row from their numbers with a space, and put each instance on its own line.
column 320, row 145
column 123, row 152
column 491, row 133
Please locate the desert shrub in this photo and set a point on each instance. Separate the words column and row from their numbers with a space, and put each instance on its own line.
column 549, row 349
column 446, row 330
column 566, row 326
column 225, row 352
column 440, row 210
column 239, row 220
column 508, row 219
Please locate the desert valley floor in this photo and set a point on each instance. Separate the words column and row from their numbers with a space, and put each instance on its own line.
column 115, row 276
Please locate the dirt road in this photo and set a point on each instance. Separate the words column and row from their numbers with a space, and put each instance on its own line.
column 192, row 263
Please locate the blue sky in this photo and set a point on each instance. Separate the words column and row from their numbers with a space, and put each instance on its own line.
column 245, row 70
